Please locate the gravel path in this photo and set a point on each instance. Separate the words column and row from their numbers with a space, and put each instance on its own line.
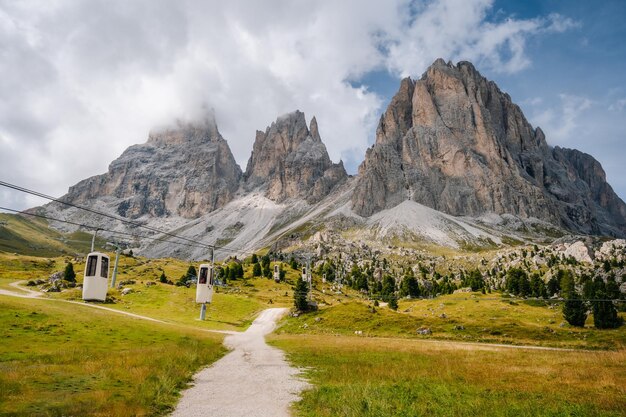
column 252, row 380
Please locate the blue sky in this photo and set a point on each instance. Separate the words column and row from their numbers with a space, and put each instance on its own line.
column 580, row 70
column 82, row 81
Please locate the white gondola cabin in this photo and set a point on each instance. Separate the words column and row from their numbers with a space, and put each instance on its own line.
column 96, row 277
column 276, row 273
column 204, row 289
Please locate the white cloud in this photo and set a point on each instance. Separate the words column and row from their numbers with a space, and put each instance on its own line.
column 618, row 105
column 459, row 30
column 84, row 80
column 563, row 122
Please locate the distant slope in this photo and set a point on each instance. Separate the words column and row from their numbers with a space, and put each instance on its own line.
column 32, row 236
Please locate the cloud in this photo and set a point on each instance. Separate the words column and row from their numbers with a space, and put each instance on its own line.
column 460, row 30
column 564, row 121
column 84, row 80
column 618, row 105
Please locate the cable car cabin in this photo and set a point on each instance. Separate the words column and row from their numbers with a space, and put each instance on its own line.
column 204, row 289
column 96, row 279
column 304, row 275
column 276, row 273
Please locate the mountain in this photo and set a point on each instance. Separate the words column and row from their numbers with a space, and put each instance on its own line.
column 290, row 161
column 453, row 141
column 455, row 164
column 187, row 170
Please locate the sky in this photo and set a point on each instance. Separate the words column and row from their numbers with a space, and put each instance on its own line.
column 80, row 81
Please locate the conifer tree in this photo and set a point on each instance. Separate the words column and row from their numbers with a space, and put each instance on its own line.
column 604, row 312
column 300, row 292
column 69, row 274
column 574, row 310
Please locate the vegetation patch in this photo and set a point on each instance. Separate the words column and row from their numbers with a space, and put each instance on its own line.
column 65, row 359
column 355, row 376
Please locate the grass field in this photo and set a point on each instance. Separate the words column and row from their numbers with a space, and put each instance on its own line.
column 475, row 317
column 356, row 376
column 61, row 359
column 233, row 307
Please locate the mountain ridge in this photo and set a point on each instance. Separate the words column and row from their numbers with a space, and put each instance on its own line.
column 450, row 142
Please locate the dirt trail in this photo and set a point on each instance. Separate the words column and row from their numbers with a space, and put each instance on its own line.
column 252, row 380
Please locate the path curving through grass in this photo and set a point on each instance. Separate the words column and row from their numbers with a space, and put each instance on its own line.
column 254, row 379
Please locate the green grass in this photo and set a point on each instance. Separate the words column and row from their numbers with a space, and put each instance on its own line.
column 356, row 376
column 64, row 359
column 484, row 318
column 32, row 236
column 233, row 308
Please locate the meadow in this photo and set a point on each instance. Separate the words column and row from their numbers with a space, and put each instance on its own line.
column 358, row 376
column 68, row 359
column 58, row 358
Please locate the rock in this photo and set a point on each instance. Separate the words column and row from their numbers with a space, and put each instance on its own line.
column 459, row 327
column 289, row 160
column 126, row 282
column 424, row 331
column 358, row 332
column 187, row 170
column 150, row 283
column 578, row 251
column 443, row 316
column 57, row 276
column 126, row 291
column 454, row 142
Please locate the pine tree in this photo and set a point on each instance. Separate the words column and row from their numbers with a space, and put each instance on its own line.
column 69, row 274
column 410, row 286
column 256, row 270
column 393, row 303
column 163, row 278
column 300, row 293
column 604, row 312
column 388, row 288
column 574, row 310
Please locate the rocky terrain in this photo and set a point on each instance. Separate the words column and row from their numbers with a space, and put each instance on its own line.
column 289, row 160
column 454, row 142
column 183, row 171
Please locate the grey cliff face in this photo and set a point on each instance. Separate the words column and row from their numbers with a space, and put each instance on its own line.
column 188, row 170
column 454, row 142
column 289, row 160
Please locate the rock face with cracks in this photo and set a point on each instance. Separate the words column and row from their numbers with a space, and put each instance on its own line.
column 187, row 171
column 454, row 142
column 289, row 160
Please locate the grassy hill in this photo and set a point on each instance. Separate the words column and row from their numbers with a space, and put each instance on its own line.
column 32, row 236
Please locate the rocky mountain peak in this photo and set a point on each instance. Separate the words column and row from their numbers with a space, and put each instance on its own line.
column 289, row 160
column 453, row 141
column 187, row 132
column 185, row 170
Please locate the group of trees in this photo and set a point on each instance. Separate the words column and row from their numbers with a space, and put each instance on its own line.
column 262, row 268
column 517, row 283
column 598, row 296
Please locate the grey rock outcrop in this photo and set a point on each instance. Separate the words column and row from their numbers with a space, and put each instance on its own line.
column 188, row 171
column 289, row 160
column 454, row 142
